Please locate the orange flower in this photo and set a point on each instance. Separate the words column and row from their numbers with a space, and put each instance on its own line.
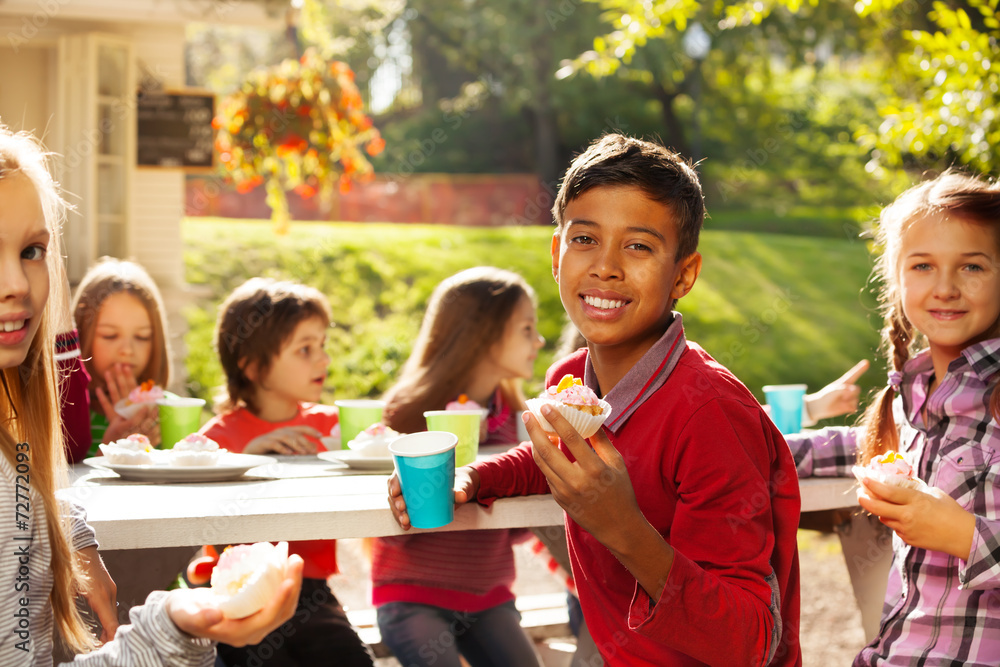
column 375, row 146
column 345, row 184
column 305, row 191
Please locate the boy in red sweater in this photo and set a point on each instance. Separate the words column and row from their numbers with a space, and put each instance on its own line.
column 681, row 518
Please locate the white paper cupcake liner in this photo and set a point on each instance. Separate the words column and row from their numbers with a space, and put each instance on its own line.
column 128, row 410
column 268, row 563
column 585, row 423
column 191, row 459
column 125, row 457
column 861, row 472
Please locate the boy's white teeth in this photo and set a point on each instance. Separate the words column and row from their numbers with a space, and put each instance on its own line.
column 602, row 303
column 14, row 325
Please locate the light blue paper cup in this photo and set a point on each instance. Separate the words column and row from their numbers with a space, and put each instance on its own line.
column 785, row 401
column 425, row 463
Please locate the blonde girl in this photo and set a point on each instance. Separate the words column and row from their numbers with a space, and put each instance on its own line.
column 478, row 338
column 120, row 316
column 940, row 272
column 42, row 574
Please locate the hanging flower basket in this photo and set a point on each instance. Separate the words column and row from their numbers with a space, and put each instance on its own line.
column 297, row 126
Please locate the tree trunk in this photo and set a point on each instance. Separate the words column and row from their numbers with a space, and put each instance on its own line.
column 675, row 137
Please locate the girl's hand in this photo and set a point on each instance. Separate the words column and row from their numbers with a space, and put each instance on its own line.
column 840, row 397
column 196, row 611
column 287, row 440
column 119, row 381
column 466, row 487
column 595, row 490
column 145, row 421
column 926, row 519
column 101, row 592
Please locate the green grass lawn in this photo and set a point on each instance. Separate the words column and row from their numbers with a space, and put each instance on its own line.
column 773, row 308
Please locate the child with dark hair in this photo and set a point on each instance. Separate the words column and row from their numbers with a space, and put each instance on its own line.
column 681, row 513
column 270, row 338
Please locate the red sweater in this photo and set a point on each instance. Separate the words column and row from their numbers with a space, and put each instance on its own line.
column 233, row 430
column 713, row 475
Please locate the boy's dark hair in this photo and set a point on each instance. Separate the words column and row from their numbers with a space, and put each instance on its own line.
column 254, row 323
column 662, row 174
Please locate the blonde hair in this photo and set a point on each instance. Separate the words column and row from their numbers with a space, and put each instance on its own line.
column 32, row 414
column 111, row 276
column 963, row 198
column 254, row 323
column 466, row 316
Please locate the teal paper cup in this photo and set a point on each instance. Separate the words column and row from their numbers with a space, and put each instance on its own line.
column 357, row 415
column 425, row 463
column 785, row 401
column 179, row 417
column 463, row 423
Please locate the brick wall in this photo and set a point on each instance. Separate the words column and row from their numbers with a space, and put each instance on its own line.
column 452, row 199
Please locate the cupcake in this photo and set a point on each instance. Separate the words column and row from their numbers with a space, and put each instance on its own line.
column 889, row 468
column 195, row 450
column 247, row 576
column 576, row 402
column 463, row 402
column 133, row 450
column 145, row 394
column 373, row 441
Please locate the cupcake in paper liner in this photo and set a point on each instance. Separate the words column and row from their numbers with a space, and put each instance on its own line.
column 146, row 393
column 133, row 450
column 195, row 450
column 247, row 576
column 577, row 403
column 374, row 441
column 889, row 468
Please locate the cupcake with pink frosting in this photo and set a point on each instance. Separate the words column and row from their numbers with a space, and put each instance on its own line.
column 576, row 402
column 133, row 450
column 462, row 403
column 146, row 393
column 373, row 441
column 195, row 450
column 889, row 468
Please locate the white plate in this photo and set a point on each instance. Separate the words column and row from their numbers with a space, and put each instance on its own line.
column 353, row 459
column 229, row 466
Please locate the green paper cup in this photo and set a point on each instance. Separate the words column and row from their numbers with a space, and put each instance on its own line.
column 425, row 463
column 356, row 416
column 179, row 417
column 463, row 423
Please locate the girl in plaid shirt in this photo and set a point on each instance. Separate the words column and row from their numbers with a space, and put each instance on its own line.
column 940, row 271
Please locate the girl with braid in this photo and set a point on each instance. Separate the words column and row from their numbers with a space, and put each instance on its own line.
column 940, row 275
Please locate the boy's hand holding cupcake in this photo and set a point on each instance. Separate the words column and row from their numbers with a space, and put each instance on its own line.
column 576, row 402
column 594, row 488
column 922, row 516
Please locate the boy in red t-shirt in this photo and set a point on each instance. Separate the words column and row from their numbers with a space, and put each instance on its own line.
column 270, row 338
column 681, row 518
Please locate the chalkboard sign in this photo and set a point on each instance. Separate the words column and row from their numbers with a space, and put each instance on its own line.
column 175, row 129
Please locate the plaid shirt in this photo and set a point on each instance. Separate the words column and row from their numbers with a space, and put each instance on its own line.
column 939, row 610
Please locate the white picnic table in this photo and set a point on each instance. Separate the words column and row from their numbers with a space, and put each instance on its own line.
column 303, row 498
column 306, row 498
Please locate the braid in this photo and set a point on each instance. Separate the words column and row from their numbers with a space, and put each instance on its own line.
column 880, row 434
